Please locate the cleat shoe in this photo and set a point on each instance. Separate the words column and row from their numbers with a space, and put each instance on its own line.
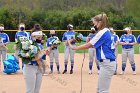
column 58, row 72
column 122, row 73
column 65, row 71
column 134, row 72
column 90, row 72
column 98, row 72
column 50, row 72
column 71, row 71
column 115, row 73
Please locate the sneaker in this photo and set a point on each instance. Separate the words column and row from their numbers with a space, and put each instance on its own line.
column 122, row 73
column 58, row 72
column 90, row 72
column 50, row 72
column 65, row 71
column 115, row 73
column 71, row 71
column 98, row 72
column 134, row 72
column 45, row 74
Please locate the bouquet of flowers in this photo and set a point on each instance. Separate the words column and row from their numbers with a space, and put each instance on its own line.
column 27, row 49
column 78, row 37
column 55, row 41
column 44, row 37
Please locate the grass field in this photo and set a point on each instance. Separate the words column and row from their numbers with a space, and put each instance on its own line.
column 61, row 48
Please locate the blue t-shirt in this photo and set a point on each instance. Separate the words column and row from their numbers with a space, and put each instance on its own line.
column 4, row 38
column 20, row 34
column 138, row 39
column 129, row 39
column 68, row 36
column 104, row 45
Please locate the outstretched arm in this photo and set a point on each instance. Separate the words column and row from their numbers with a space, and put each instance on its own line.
column 81, row 47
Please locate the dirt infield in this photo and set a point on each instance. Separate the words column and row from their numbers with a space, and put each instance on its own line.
column 71, row 83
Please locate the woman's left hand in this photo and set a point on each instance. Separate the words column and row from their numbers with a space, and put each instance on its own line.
column 71, row 46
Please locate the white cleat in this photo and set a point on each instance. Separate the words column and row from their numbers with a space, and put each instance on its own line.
column 98, row 72
column 134, row 72
column 90, row 72
column 122, row 73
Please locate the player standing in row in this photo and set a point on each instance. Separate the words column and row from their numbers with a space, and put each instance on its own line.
column 54, row 53
column 138, row 41
column 92, row 52
column 4, row 39
column 21, row 32
column 40, row 43
column 69, row 35
column 128, row 41
column 116, row 42
column 31, row 71
column 104, row 51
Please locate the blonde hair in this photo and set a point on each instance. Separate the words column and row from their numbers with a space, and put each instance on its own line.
column 103, row 19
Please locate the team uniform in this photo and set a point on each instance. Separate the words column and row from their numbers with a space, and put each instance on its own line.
column 54, row 53
column 4, row 39
column 116, row 39
column 128, row 51
column 103, row 43
column 68, row 51
column 19, row 34
column 138, row 41
column 92, row 54
column 33, row 75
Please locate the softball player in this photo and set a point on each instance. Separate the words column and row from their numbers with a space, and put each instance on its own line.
column 18, row 34
column 69, row 35
column 40, row 42
column 32, row 73
column 116, row 42
column 92, row 52
column 103, row 43
column 138, row 41
column 128, row 41
column 4, row 39
column 54, row 53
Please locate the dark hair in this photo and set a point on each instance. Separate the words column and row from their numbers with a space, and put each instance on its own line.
column 37, row 27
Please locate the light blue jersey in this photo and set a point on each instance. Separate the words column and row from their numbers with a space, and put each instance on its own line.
column 138, row 39
column 116, row 38
column 103, row 42
column 129, row 39
column 90, row 36
column 20, row 34
column 4, row 38
column 68, row 35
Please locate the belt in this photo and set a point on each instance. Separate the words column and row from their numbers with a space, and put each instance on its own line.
column 107, row 59
column 128, row 48
column 33, row 63
column 54, row 48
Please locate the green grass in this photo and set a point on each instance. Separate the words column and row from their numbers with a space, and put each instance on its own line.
column 61, row 48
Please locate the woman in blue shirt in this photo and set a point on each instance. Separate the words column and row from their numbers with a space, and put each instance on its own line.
column 4, row 39
column 104, row 51
column 128, row 41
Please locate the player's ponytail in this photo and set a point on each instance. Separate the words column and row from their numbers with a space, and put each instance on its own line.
column 102, row 19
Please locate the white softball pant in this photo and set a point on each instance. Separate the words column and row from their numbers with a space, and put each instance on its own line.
column 107, row 70
column 92, row 55
column 3, row 54
column 33, row 78
column 68, row 51
column 128, row 53
column 54, row 55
